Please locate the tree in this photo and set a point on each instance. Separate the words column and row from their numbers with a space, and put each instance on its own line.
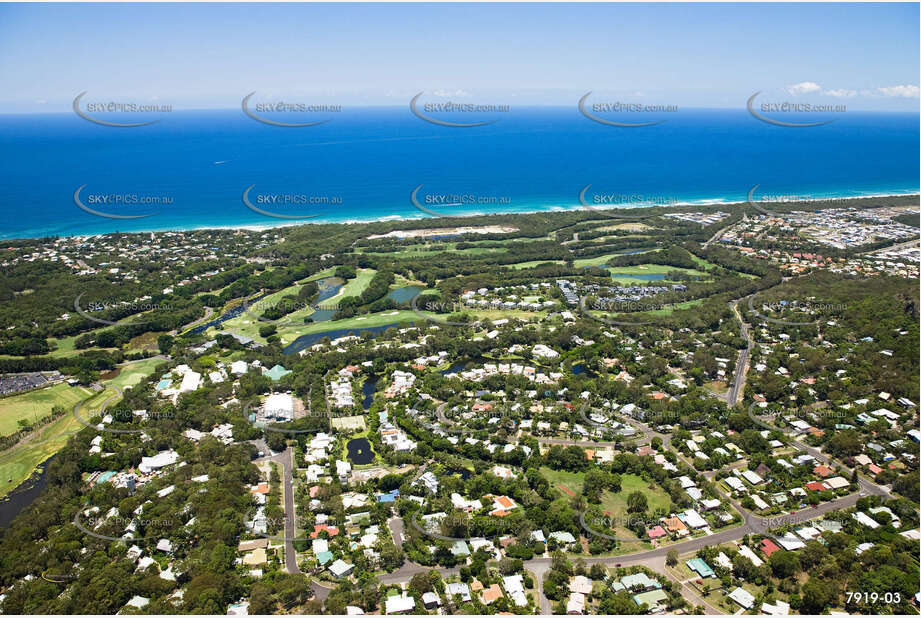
column 784, row 564
column 636, row 502
column 671, row 559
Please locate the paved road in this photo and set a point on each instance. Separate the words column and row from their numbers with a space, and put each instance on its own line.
column 286, row 460
column 738, row 384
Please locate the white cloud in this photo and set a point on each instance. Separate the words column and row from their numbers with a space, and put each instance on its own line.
column 907, row 91
column 841, row 93
column 803, row 88
column 447, row 93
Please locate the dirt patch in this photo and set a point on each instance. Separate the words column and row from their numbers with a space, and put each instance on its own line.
column 567, row 491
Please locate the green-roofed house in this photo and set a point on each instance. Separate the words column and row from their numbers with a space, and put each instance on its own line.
column 460, row 549
column 700, row 567
column 276, row 373
column 655, row 600
column 324, row 556
column 639, row 581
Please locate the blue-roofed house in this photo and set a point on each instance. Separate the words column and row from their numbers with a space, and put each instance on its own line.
column 388, row 497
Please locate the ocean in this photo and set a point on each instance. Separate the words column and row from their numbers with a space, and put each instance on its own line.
column 191, row 169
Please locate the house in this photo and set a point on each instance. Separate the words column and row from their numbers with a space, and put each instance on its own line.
column 655, row 600
column 399, row 604
column 639, row 581
column 778, row 608
column 837, row 482
column 743, row 597
column 700, row 567
column 580, row 584
column 675, row 526
column 458, row 589
column 866, row 520
column 692, row 519
column 563, row 538
column 429, row 482
column 430, row 600
column 752, row 477
column 768, row 547
column 514, row 587
column 746, row 552
column 341, row 569
column 790, row 542
column 576, row 604
column 491, row 594
column 656, row 532
column 734, row 483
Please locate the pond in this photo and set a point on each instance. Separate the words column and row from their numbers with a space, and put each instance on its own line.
column 404, row 294
column 455, row 368
column 368, row 389
column 229, row 315
column 328, row 288
column 360, row 452
column 305, row 341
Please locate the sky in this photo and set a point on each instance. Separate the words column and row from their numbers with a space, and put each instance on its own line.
column 199, row 56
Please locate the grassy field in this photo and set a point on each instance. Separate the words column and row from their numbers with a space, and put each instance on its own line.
column 18, row 463
column 595, row 261
column 132, row 373
column 616, row 503
column 37, row 404
column 531, row 264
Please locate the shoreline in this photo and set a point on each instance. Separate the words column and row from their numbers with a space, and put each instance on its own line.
column 702, row 202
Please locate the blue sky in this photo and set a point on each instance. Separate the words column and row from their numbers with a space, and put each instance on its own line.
column 693, row 55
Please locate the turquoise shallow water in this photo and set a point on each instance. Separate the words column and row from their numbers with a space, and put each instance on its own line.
column 365, row 164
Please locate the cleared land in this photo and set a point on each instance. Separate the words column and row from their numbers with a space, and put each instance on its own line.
column 131, row 374
column 18, row 463
column 37, row 404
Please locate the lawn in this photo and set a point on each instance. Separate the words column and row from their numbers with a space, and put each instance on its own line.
column 616, row 503
column 37, row 404
column 131, row 374
column 531, row 264
column 18, row 463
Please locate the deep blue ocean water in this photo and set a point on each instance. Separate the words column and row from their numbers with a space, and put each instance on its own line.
column 372, row 159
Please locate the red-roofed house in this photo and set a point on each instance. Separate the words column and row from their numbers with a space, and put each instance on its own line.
column 656, row 532
column 768, row 547
column 815, row 486
column 874, row 469
column 822, row 471
column 331, row 530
